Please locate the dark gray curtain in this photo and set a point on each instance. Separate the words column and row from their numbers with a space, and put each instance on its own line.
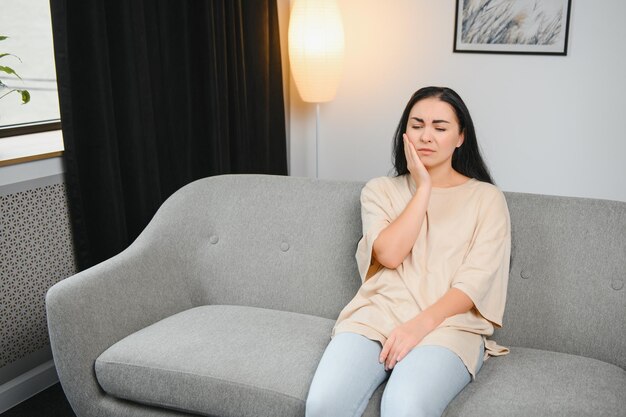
column 155, row 94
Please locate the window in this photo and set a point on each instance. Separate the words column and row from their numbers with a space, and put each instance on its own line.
column 27, row 25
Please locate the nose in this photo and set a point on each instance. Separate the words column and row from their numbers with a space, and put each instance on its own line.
column 425, row 137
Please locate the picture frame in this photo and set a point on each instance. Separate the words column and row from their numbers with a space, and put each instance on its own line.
column 534, row 27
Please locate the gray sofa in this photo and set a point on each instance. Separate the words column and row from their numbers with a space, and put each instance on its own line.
column 224, row 304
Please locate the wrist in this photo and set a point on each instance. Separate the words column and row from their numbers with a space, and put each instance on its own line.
column 422, row 192
column 429, row 320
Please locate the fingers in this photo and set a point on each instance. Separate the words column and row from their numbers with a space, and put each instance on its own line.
column 386, row 348
column 408, row 148
column 392, row 358
column 409, row 153
column 407, row 141
column 407, row 144
column 393, row 352
column 412, row 158
column 389, row 354
column 395, row 356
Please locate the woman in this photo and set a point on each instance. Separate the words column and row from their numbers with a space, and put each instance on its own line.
column 434, row 264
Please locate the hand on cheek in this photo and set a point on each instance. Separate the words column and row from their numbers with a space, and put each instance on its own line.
column 414, row 164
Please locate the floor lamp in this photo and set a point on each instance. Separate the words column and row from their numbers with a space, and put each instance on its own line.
column 316, row 49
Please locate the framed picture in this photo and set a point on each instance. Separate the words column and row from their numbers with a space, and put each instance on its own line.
column 538, row 27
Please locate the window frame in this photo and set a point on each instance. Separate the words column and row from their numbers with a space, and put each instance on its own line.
column 28, row 128
column 29, row 125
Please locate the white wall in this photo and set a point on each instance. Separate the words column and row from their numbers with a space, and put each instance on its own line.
column 545, row 124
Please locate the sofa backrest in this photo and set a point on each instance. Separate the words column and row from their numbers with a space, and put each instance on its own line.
column 275, row 242
column 288, row 243
column 567, row 278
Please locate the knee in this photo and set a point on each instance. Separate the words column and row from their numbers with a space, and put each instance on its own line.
column 331, row 403
column 395, row 403
column 314, row 407
column 320, row 404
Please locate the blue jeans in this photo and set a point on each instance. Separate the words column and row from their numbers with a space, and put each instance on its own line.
column 422, row 384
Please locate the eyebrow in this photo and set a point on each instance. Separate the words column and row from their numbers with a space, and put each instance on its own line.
column 434, row 121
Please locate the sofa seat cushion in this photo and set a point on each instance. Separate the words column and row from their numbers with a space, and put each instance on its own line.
column 538, row 383
column 219, row 360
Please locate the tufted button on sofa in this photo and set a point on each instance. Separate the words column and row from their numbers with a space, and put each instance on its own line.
column 224, row 305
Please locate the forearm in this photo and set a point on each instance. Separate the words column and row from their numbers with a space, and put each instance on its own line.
column 453, row 302
column 407, row 335
column 395, row 242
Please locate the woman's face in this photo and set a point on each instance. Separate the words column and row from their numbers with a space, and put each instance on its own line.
column 434, row 130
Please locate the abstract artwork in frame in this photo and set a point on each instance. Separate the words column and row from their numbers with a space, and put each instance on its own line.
column 538, row 27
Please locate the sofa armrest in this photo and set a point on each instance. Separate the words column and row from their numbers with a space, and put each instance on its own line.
column 92, row 310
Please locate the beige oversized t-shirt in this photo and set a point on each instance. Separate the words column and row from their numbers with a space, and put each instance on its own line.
column 464, row 242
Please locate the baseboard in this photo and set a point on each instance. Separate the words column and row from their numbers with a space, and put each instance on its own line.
column 26, row 385
column 24, row 364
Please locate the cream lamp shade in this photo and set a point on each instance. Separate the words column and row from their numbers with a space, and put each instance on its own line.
column 316, row 46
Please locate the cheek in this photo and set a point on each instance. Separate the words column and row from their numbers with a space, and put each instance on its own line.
column 412, row 134
column 451, row 141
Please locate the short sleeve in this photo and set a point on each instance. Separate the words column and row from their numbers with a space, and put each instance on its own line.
column 484, row 273
column 376, row 213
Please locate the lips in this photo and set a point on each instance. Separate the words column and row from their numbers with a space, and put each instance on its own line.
column 425, row 150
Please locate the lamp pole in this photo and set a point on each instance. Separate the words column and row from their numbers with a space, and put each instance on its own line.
column 317, row 133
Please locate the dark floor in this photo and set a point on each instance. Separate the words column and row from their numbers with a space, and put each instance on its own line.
column 48, row 403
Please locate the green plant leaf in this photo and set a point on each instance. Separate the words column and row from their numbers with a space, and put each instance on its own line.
column 3, row 37
column 2, row 85
column 6, row 94
column 24, row 93
column 3, row 55
column 25, row 96
column 9, row 71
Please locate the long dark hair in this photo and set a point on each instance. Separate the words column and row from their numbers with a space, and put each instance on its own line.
column 466, row 158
